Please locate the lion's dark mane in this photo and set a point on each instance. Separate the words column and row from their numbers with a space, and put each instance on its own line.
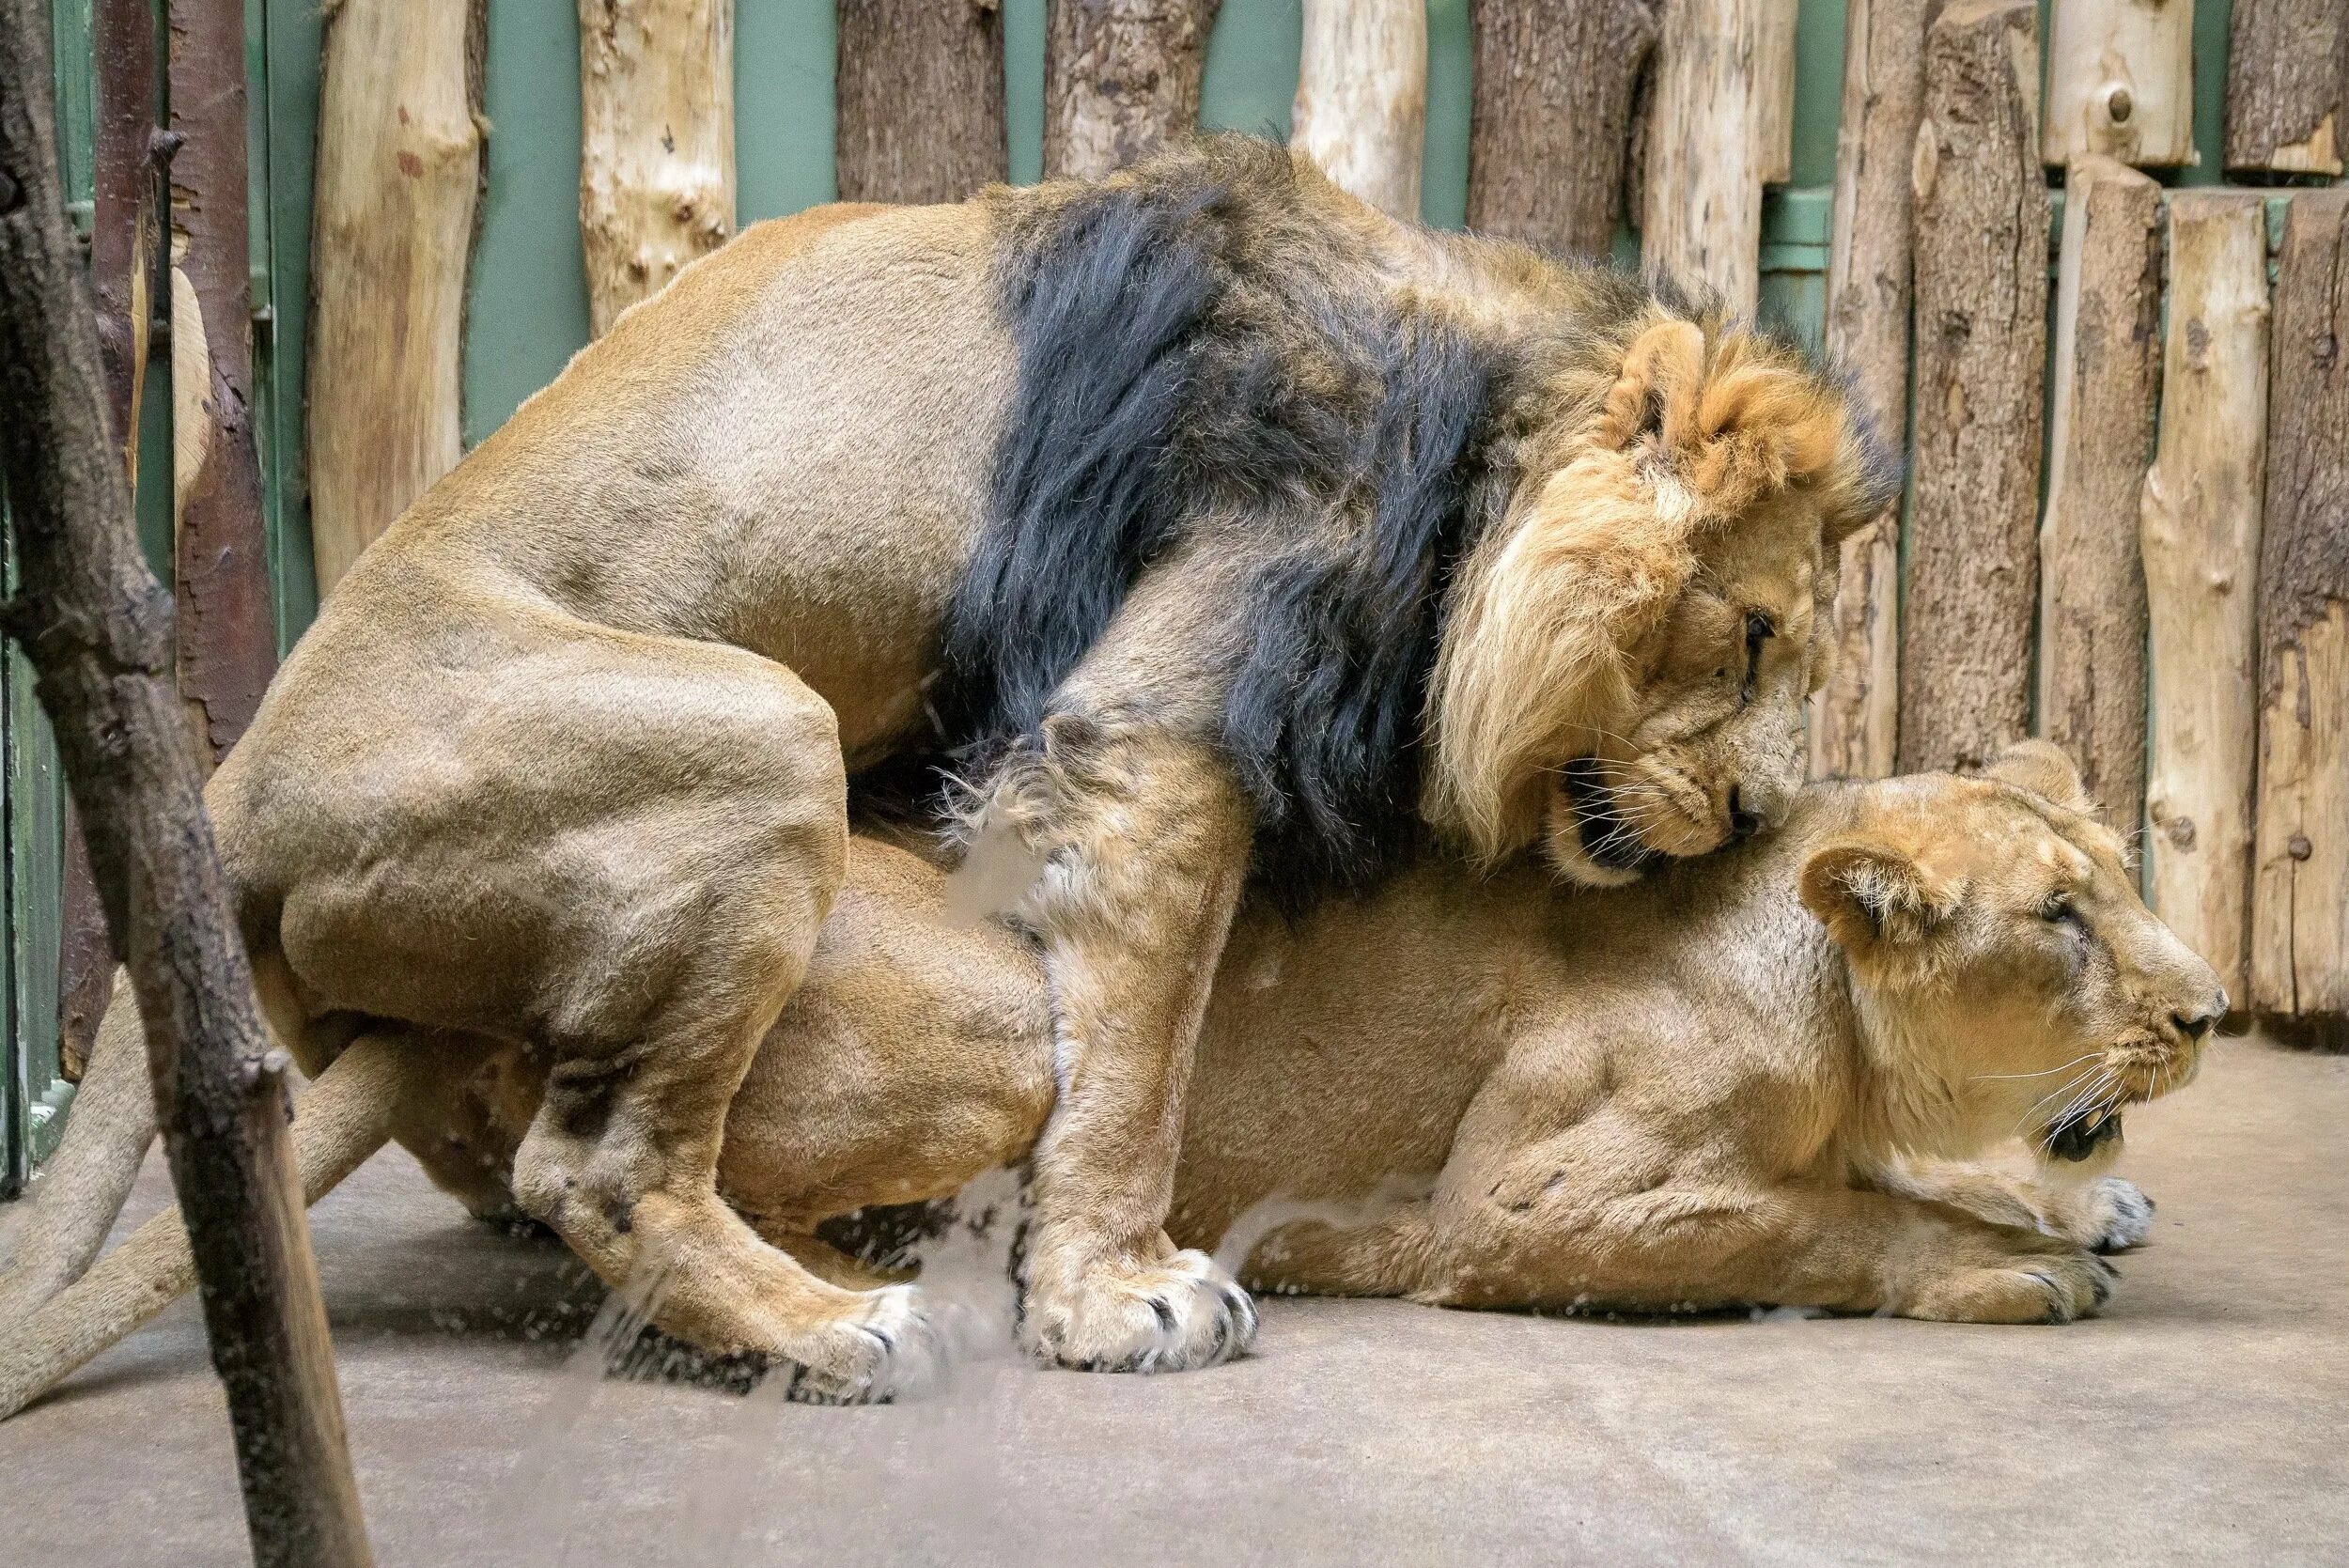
column 1203, row 344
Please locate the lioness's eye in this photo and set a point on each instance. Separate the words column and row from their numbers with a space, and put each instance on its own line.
column 2057, row 910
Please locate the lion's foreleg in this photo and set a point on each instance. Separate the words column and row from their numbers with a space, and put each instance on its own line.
column 1144, row 839
column 2107, row 1213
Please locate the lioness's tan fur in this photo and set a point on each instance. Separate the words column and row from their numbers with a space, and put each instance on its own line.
column 1755, row 1082
column 563, row 761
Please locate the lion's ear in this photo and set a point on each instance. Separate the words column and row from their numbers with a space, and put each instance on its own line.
column 2042, row 768
column 1733, row 420
column 1876, row 898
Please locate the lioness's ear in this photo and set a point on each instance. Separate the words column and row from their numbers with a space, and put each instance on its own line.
column 1874, row 897
column 2042, row 768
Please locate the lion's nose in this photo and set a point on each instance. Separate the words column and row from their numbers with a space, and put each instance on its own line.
column 2195, row 1025
column 1743, row 824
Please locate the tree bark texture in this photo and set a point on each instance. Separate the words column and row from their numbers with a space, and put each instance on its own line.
column 1361, row 112
column 400, row 165
column 656, row 167
column 1982, row 340
column 2201, row 541
column 920, row 87
column 2287, row 85
column 1773, row 66
column 2300, row 893
column 132, row 155
column 1855, row 718
column 1701, row 190
column 1120, row 77
column 2121, row 81
column 2091, row 580
column 99, row 630
column 228, row 629
column 1549, row 118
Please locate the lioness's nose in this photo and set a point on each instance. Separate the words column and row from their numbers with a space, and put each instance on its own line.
column 2195, row 1025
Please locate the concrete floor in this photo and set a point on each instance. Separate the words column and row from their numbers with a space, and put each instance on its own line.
column 2203, row 1418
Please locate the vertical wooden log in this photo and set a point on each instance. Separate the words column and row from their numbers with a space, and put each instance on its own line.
column 2287, row 85
column 1981, row 342
column 98, row 629
column 920, row 89
column 1701, row 190
column 1120, row 77
column 228, row 629
column 656, row 165
column 1360, row 111
column 2300, row 894
column 1855, row 718
column 2091, row 580
column 1550, row 117
column 131, row 155
column 2201, row 542
column 1774, row 69
column 2121, row 81
column 400, row 164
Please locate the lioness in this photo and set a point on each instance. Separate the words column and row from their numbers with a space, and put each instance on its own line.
column 1745, row 1081
column 1180, row 508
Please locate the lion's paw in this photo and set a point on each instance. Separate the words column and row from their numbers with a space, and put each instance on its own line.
column 2115, row 1215
column 1119, row 1315
column 889, row 1348
column 2055, row 1286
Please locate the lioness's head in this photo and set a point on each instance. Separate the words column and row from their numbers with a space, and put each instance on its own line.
column 1995, row 930
column 1624, row 672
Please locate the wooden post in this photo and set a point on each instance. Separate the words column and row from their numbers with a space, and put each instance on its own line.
column 228, row 626
column 2300, row 895
column 98, row 628
column 1361, row 98
column 1774, row 69
column 2201, row 542
column 1982, row 345
column 656, row 163
column 2287, row 85
column 2121, row 81
column 1855, row 718
column 920, row 91
column 2091, row 580
column 131, row 155
column 1550, row 117
column 1120, row 76
column 401, row 165
column 1701, row 189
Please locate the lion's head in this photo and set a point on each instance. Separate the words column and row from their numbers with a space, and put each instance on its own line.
column 1623, row 673
column 2003, row 953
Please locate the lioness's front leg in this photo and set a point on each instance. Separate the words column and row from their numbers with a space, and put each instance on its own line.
column 2108, row 1213
column 1612, row 1212
column 1145, row 838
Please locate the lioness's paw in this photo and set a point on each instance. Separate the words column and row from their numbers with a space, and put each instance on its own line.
column 1118, row 1315
column 889, row 1348
column 2055, row 1286
column 2114, row 1215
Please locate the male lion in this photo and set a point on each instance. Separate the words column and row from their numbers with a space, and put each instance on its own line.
column 1743, row 1082
column 1220, row 525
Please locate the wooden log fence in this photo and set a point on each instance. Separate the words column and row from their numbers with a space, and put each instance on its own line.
column 2121, row 81
column 1120, row 77
column 2287, row 85
column 1550, row 117
column 2200, row 526
column 2108, row 378
column 1361, row 112
column 656, row 167
column 400, row 164
column 2300, row 894
column 1980, row 240
column 920, row 97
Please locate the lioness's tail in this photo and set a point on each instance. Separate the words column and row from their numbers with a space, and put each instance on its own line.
column 85, row 1183
column 344, row 1118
